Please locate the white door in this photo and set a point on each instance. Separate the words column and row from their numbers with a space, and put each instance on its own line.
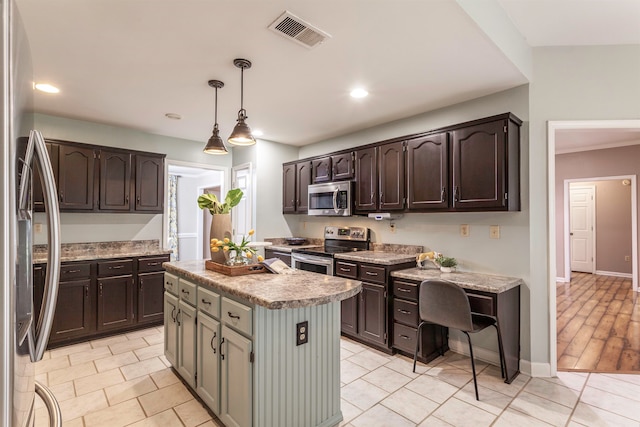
column 241, row 215
column 582, row 228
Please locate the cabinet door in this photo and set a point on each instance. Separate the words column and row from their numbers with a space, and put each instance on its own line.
column 366, row 180
column 208, row 362
column 76, row 177
column 39, row 272
column 187, row 343
column 479, row 166
column 373, row 313
column 171, row 329
column 428, row 172
column 73, row 317
column 391, row 179
column 288, row 188
column 149, row 183
column 321, row 170
column 237, row 378
column 38, row 198
column 115, row 302
column 303, row 179
column 115, row 180
column 150, row 297
column 349, row 316
column 342, row 166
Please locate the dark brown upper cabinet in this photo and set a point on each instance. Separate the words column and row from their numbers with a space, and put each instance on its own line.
column 296, row 178
column 342, row 166
column 115, row 180
column 38, row 197
column 321, row 170
column 76, row 176
column 149, row 183
column 366, row 197
column 485, row 162
column 391, row 176
column 427, row 172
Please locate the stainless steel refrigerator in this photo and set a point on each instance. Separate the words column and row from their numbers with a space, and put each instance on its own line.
column 23, row 338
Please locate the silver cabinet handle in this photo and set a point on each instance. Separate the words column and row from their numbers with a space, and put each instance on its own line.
column 368, row 273
column 404, row 311
column 404, row 290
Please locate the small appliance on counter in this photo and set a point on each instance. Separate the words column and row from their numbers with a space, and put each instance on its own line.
column 336, row 240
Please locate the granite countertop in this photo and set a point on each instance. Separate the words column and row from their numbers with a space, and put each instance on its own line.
column 274, row 291
column 289, row 248
column 377, row 257
column 101, row 250
column 475, row 281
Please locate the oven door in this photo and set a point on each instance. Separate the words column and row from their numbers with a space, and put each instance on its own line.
column 331, row 199
column 316, row 264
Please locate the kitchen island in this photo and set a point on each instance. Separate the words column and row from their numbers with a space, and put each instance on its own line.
column 259, row 349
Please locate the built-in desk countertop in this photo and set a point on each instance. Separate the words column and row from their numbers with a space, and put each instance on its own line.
column 476, row 281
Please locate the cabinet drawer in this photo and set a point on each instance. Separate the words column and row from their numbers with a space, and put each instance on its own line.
column 405, row 290
column 406, row 312
column 404, row 337
column 187, row 292
column 483, row 304
column 373, row 274
column 171, row 283
column 115, row 268
column 209, row 302
column 74, row 271
column 151, row 263
column 237, row 315
column 346, row 269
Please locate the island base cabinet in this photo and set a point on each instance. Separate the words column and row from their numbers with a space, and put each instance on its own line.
column 187, row 342
column 208, row 362
column 237, row 381
column 171, row 328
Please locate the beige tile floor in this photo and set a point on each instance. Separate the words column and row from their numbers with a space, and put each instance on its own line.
column 125, row 381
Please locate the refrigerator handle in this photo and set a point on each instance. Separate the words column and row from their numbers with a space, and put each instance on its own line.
column 44, row 323
column 55, row 414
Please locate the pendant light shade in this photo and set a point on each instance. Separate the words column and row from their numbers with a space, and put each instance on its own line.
column 241, row 134
column 215, row 145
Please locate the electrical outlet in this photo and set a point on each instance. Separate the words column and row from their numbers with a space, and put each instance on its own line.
column 302, row 332
column 464, row 230
column 627, row 258
column 304, row 225
column 494, row 232
column 37, row 228
column 392, row 227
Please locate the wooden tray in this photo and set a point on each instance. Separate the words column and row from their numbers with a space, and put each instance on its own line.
column 241, row 270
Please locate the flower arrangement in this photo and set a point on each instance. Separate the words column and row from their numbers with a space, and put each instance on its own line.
column 236, row 254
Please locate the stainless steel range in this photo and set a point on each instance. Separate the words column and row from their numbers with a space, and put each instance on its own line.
column 336, row 240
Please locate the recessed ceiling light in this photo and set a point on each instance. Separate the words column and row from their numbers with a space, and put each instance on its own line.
column 46, row 87
column 257, row 132
column 359, row 93
column 173, row 116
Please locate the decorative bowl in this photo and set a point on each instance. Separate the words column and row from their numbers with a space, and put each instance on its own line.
column 295, row 241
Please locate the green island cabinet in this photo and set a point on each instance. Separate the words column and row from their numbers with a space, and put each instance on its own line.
column 234, row 341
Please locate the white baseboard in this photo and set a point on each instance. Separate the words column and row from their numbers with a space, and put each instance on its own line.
column 614, row 273
column 562, row 280
column 535, row 369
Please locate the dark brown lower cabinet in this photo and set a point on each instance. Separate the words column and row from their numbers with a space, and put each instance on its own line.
column 372, row 316
column 74, row 316
column 150, row 297
column 115, row 302
column 349, row 316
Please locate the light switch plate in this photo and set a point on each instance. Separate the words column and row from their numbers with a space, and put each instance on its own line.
column 464, row 230
column 494, row 231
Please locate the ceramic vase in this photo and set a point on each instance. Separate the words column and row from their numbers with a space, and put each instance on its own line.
column 446, row 269
column 220, row 228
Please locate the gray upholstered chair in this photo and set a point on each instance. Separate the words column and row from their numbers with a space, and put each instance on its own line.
column 446, row 304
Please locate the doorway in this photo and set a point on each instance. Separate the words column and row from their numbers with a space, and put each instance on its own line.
column 185, row 226
column 631, row 131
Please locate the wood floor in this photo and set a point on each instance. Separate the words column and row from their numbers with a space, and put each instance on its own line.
column 598, row 319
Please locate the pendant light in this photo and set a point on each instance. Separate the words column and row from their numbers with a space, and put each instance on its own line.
column 241, row 134
column 215, row 145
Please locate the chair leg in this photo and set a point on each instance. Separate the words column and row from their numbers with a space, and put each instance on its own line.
column 415, row 354
column 503, row 366
column 473, row 365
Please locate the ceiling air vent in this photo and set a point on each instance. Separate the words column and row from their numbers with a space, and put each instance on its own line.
column 293, row 28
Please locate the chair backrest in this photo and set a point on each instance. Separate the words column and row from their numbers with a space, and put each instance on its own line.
column 446, row 304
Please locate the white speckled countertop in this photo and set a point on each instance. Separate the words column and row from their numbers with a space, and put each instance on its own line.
column 273, row 291
column 101, row 250
column 377, row 257
column 288, row 248
column 475, row 281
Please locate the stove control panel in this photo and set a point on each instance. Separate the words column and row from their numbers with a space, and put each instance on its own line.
column 360, row 234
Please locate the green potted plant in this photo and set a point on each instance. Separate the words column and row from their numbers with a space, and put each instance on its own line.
column 220, row 216
column 447, row 264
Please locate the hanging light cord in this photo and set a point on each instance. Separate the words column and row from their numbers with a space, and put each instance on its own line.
column 242, row 112
column 215, row 108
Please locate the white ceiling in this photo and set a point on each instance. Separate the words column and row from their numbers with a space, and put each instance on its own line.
column 127, row 63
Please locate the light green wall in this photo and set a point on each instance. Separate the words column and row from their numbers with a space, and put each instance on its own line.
column 569, row 83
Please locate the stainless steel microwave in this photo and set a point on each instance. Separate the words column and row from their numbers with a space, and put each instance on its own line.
column 331, row 199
